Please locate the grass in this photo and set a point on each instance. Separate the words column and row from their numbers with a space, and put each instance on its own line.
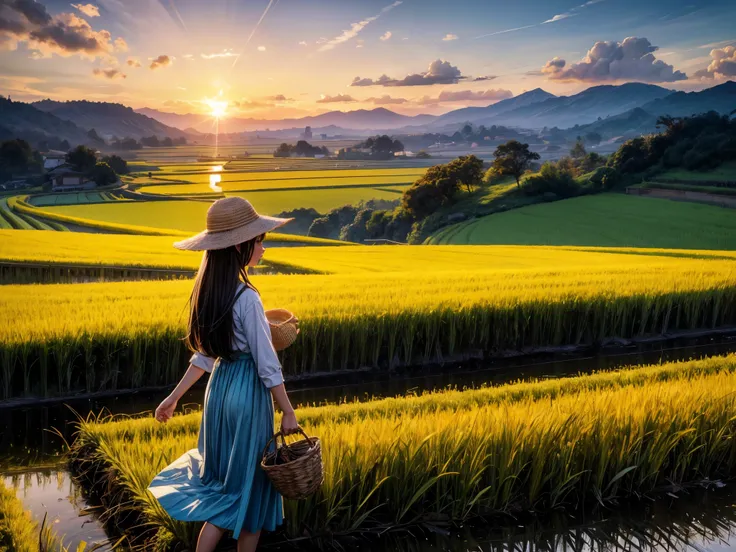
column 455, row 456
column 71, row 198
column 613, row 220
column 725, row 173
column 127, row 335
column 693, row 187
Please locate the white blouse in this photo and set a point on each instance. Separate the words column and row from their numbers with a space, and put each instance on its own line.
column 251, row 334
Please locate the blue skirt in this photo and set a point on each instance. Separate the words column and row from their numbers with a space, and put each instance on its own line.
column 221, row 481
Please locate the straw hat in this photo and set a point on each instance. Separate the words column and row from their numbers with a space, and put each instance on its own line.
column 283, row 328
column 231, row 221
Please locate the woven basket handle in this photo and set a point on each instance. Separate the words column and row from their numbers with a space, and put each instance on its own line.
column 283, row 440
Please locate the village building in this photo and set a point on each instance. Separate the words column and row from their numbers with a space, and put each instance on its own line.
column 53, row 159
column 65, row 179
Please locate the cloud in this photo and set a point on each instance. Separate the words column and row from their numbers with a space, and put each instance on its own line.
column 447, row 96
column 109, row 73
column 631, row 59
column 355, row 28
column 261, row 48
column 90, row 10
column 226, row 53
column 120, row 45
column 485, row 78
column 723, row 64
column 303, row 43
column 559, row 17
column 66, row 34
column 387, row 100
column 189, row 57
column 161, row 61
column 279, row 98
column 439, row 72
column 133, row 62
column 385, row 36
column 448, row 37
column 336, row 99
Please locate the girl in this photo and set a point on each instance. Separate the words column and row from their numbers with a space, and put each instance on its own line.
column 221, row 481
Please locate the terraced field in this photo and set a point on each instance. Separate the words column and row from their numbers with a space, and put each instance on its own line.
column 72, row 198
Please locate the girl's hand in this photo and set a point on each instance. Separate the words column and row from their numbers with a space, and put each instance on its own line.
column 166, row 409
column 289, row 424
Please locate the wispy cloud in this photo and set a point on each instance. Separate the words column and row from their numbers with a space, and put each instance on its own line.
column 558, row 17
column 108, row 73
column 449, row 36
column 261, row 48
column 133, row 62
column 356, row 28
column 263, row 15
column 385, row 36
column 226, row 53
column 339, row 98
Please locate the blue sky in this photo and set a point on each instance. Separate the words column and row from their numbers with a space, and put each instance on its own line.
column 305, row 55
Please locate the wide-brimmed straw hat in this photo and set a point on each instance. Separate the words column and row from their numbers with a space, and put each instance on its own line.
column 231, row 221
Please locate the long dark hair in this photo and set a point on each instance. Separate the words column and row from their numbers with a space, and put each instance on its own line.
column 211, row 329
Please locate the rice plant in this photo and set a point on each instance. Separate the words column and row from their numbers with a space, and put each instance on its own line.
column 456, row 456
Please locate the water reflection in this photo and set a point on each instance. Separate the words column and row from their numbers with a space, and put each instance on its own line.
column 53, row 492
column 215, row 179
column 700, row 520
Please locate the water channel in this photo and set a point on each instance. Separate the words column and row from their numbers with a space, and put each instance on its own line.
column 32, row 439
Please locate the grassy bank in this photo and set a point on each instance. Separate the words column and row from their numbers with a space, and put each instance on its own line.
column 128, row 335
column 457, row 455
column 609, row 220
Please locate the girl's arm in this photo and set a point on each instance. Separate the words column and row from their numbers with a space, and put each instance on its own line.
column 166, row 409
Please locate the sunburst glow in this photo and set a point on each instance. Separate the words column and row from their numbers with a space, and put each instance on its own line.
column 218, row 108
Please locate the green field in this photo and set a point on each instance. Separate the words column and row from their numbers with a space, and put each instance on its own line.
column 72, row 198
column 191, row 215
column 614, row 220
column 725, row 173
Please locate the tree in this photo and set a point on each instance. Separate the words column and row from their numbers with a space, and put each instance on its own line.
column 167, row 142
column 593, row 138
column 513, row 158
column 15, row 156
column 117, row 163
column 467, row 130
column 284, row 150
column 578, row 150
column 467, row 170
column 82, row 158
column 102, row 174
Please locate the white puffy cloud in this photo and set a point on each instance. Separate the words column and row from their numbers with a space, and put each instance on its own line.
column 723, row 64
column 385, row 36
column 261, row 48
column 449, row 36
column 339, row 98
column 90, row 10
column 439, row 72
column 120, row 45
column 631, row 59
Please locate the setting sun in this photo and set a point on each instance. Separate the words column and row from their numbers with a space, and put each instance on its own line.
column 218, row 108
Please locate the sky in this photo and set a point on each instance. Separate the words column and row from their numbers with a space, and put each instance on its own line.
column 272, row 59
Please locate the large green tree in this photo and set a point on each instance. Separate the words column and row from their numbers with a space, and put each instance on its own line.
column 17, row 157
column 513, row 158
column 82, row 158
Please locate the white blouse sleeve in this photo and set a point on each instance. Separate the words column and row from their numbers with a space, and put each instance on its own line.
column 258, row 335
column 200, row 360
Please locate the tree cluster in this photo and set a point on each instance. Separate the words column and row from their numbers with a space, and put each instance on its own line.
column 381, row 144
column 301, row 149
column 84, row 160
column 17, row 157
column 699, row 142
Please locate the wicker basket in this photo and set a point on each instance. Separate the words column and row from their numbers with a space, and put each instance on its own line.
column 296, row 470
column 283, row 328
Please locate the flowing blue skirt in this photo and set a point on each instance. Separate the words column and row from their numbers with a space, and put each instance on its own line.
column 221, row 481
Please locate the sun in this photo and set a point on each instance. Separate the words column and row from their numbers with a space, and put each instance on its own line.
column 218, row 108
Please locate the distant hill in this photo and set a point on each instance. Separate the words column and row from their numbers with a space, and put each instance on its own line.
column 109, row 119
column 469, row 114
column 22, row 120
column 633, row 122
column 721, row 98
column 361, row 119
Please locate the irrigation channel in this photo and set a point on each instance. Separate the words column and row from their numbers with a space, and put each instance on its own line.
column 703, row 518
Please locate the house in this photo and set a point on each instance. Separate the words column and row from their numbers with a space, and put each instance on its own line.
column 65, row 179
column 52, row 159
column 404, row 154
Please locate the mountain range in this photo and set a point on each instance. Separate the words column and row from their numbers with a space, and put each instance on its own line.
column 610, row 110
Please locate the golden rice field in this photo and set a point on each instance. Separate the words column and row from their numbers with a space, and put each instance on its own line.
column 454, row 456
column 121, row 335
